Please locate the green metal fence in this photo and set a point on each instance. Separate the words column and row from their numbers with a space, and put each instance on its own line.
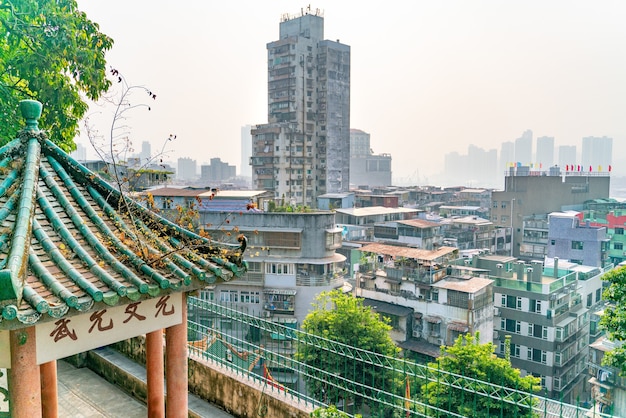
column 264, row 350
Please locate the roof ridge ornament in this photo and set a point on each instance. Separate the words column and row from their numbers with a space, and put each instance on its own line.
column 31, row 111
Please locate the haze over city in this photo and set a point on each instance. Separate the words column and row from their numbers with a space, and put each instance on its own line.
column 427, row 78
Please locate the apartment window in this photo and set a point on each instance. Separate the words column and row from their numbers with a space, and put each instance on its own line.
column 598, row 295
column 512, row 325
column 552, row 242
column 503, row 205
column 619, row 231
column 279, row 268
column 504, row 218
column 618, row 246
column 529, row 353
column 435, row 329
column 535, row 306
column 250, row 297
column 513, row 302
column 495, row 204
column 557, row 358
column 589, row 299
column 515, row 350
column 229, row 296
column 530, row 329
column 207, row 295
column 577, row 245
column 503, row 300
column 518, row 327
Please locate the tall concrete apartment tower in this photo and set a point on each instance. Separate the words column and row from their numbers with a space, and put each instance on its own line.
column 597, row 153
column 524, row 148
column 545, row 152
column 304, row 149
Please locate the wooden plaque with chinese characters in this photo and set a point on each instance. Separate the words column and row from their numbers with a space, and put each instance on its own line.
column 76, row 334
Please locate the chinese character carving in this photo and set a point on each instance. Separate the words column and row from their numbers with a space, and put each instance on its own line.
column 162, row 307
column 131, row 310
column 62, row 330
column 96, row 320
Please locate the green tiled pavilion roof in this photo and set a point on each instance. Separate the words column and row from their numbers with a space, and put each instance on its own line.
column 67, row 246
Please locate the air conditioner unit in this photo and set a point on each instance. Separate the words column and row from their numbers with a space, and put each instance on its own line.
column 417, row 334
column 496, row 335
column 440, row 342
column 496, row 311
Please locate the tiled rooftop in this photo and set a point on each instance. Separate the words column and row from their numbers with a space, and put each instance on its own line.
column 68, row 244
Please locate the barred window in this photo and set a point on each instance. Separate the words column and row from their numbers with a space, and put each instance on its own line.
column 282, row 239
column 458, row 299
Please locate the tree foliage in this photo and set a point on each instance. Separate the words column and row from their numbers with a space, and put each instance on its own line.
column 51, row 52
column 344, row 318
column 469, row 358
column 614, row 318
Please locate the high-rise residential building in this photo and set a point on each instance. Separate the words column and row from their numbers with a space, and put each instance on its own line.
column 567, row 156
column 597, row 153
column 359, row 144
column 246, row 151
column 524, row 148
column 146, row 153
column 217, row 171
column 545, row 152
column 304, row 149
column 367, row 168
column 80, row 154
column 186, row 169
column 507, row 155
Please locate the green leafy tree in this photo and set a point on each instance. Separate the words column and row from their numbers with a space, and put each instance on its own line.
column 330, row 412
column 469, row 358
column 343, row 318
column 614, row 318
column 51, row 52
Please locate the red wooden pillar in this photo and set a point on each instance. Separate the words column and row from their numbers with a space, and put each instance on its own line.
column 176, row 367
column 24, row 379
column 154, row 361
column 49, row 391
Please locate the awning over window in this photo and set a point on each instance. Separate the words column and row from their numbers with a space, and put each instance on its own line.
column 458, row 326
column 279, row 291
column 433, row 319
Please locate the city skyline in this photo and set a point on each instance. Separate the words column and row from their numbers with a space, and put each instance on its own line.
column 428, row 78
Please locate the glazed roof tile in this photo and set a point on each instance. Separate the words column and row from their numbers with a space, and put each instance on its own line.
column 68, row 244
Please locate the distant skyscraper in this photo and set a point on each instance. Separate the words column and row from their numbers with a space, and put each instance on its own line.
column 186, row 169
column 524, row 148
column 80, row 154
column 367, row 169
column 146, row 153
column 597, row 153
column 246, row 151
column 217, row 171
column 567, row 156
column 507, row 155
column 545, row 152
column 304, row 149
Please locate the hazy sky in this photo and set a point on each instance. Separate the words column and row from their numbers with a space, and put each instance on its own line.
column 427, row 78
